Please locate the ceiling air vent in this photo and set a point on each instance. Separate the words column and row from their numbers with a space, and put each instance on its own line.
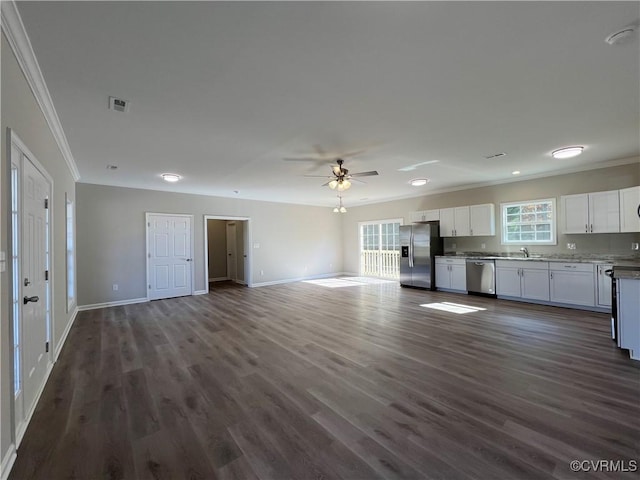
column 118, row 104
column 495, row 155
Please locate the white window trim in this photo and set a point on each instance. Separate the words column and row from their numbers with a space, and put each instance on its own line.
column 71, row 293
column 554, row 222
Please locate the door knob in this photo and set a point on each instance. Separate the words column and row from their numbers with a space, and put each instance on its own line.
column 26, row 300
column 189, row 259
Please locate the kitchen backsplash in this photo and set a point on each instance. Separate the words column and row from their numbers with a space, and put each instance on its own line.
column 618, row 244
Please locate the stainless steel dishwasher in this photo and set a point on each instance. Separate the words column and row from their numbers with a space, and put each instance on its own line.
column 481, row 276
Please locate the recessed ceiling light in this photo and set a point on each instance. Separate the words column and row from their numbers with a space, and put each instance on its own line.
column 567, row 152
column 418, row 182
column 515, row 172
column 171, row 177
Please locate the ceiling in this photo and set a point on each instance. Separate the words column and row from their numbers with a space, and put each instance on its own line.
column 222, row 92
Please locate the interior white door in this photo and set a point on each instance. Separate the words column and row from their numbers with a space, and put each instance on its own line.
column 169, row 256
column 232, row 252
column 35, row 191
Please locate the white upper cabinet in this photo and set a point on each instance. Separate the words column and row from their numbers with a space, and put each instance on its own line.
column 482, row 219
column 604, row 210
column 597, row 212
column 630, row 209
column 454, row 222
column 424, row 216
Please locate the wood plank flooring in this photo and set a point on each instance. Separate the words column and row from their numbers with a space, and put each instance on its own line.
column 301, row 381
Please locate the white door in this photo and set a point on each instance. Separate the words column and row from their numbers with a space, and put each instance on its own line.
column 169, row 255
column 232, row 253
column 34, row 320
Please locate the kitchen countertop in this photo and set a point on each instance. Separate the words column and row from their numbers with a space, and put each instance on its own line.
column 616, row 260
column 626, row 271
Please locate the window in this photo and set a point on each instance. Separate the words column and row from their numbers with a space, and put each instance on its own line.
column 71, row 278
column 15, row 244
column 529, row 223
column 380, row 249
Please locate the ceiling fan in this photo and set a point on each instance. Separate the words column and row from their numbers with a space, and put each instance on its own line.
column 341, row 179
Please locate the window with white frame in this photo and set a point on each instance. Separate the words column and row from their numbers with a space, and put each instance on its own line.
column 380, row 248
column 531, row 222
column 71, row 269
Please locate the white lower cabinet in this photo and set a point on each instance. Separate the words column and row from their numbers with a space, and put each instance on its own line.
column 603, row 285
column 573, row 283
column 522, row 279
column 451, row 274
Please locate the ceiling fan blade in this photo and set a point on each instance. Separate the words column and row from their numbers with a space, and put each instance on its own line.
column 365, row 174
column 325, row 184
column 306, row 159
column 357, row 181
column 353, row 153
column 316, row 176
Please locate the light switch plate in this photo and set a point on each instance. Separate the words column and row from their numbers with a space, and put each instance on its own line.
column 3, row 266
column 634, row 246
column 3, row 256
column 571, row 246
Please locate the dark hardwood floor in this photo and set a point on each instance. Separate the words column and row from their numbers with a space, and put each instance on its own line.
column 301, row 381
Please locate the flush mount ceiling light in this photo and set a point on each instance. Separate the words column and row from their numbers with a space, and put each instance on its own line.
column 624, row 35
column 170, row 177
column 340, row 208
column 567, row 152
column 515, row 172
column 419, row 182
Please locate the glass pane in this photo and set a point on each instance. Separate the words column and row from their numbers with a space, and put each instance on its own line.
column 513, row 210
column 529, row 217
column 543, row 236
column 513, row 218
column 527, row 228
column 528, row 236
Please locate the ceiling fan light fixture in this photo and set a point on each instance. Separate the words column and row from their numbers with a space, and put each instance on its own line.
column 170, row 177
column 336, row 210
column 343, row 184
column 333, row 184
column 567, row 152
column 343, row 210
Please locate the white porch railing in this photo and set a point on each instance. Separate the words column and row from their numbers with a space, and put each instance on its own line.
column 380, row 263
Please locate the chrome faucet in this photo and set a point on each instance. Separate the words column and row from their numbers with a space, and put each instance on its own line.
column 525, row 250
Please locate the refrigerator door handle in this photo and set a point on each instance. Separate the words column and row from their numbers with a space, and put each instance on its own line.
column 411, row 250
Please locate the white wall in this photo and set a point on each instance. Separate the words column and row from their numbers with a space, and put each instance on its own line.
column 295, row 241
column 21, row 113
column 611, row 178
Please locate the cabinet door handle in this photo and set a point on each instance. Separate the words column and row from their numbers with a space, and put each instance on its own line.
column 586, row 228
column 551, row 275
column 471, row 231
column 592, row 228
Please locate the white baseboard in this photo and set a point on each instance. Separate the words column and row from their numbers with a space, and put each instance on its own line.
column 63, row 338
column 241, row 282
column 117, row 303
column 218, row 279
column 200, row 292
column 7, row 462
column 293, row 280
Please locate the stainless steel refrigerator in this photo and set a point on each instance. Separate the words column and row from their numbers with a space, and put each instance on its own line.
column 419, row 244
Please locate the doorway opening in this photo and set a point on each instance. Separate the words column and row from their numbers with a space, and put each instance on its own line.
column 227, row 251
column 380, row 249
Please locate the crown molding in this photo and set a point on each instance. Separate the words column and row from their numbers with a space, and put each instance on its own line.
column 18, row 39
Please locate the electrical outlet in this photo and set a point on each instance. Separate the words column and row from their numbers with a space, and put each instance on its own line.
column 115, row 287
column 483, row 246
column 571, row 246
column 261, row 272
column 454, row 246
column 634, row 246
